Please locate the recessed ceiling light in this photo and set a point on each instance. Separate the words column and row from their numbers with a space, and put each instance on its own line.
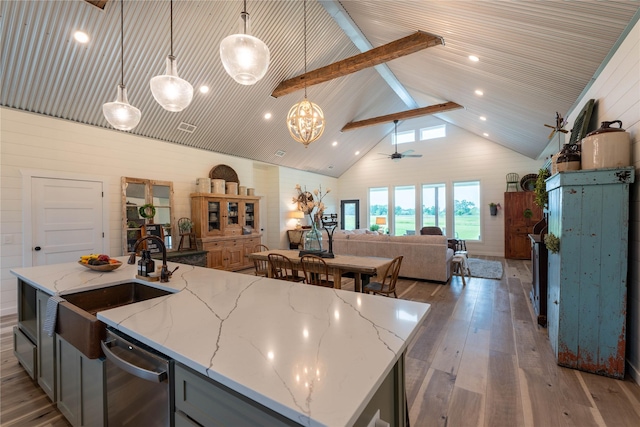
column 485, row 134
column 267, row 116
column 357, row 153
column 204, row 89
column 474, row 58
column 483, row 118
column 479, row 92
column 81, row 37
column 334, row 143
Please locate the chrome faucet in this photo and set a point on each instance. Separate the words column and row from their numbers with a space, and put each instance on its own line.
column 164, row 272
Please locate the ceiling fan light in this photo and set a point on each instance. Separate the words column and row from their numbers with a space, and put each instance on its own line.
column 120, row 114
column 244, row 57
column 169, row 90
column 305, row 122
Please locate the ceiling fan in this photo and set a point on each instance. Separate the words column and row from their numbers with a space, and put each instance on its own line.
column 397, row 156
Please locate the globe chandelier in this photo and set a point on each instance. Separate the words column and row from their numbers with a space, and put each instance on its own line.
column 120, row 114
column 169, row 90
column 305, row 120
column 244, row 57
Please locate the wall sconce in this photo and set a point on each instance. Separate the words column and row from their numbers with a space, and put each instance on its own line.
column 298, row 215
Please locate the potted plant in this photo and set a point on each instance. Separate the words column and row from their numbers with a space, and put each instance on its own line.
column 493, row 208
column 542, row 198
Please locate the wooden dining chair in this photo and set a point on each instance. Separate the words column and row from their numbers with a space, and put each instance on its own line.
column 282, row 268
column 316, row 271
column 388, row 284
column 261, row 266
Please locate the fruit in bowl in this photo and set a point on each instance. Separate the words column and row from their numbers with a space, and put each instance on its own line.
column 95, row 259
column 99, row 262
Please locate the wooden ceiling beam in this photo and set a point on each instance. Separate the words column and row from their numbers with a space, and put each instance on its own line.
column 378, row 55
column 98, row 3
column 403, row 115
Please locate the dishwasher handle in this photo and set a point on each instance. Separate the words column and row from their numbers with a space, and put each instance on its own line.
column 153, row 376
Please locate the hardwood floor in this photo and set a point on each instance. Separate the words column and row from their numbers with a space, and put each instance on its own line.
column 479, row 359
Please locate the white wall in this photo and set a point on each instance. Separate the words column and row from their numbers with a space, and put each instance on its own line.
column 617, row 94
column 60, row 147
column 460, row 156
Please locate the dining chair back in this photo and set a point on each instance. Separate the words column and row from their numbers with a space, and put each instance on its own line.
column 261, row 266
column 387, row 286
column 282, row 268
column 316, row 271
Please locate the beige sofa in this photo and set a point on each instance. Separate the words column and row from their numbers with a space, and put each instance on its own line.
column 425, row 257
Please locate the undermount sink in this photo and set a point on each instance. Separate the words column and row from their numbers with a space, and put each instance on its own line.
column 77, row 322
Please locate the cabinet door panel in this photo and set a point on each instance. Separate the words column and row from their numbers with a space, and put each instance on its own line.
column 68, row 381
column 46, row 352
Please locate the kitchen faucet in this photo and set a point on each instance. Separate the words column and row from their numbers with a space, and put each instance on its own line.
column 164, row 272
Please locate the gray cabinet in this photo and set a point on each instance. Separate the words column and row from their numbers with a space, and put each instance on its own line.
column 80, row 387
column 202, row 401
column 46, row 353
column 587, row 276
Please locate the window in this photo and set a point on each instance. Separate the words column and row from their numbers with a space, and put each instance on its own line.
column 137, row 193
column 434, row 206
column 405, row 210
column 405, row 136
column 379, row 206
column 433, row 132
column 466, row 211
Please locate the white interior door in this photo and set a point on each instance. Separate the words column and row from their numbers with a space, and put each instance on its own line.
column 67, row 219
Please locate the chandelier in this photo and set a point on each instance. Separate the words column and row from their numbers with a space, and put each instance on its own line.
column 169, row 90
column 244, row 57
column 120, row 114
column 305, row 120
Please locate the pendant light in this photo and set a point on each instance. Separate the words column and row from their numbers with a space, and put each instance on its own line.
column 244, row 57
column 120, row 114
column 305, row 119
column 169, row 90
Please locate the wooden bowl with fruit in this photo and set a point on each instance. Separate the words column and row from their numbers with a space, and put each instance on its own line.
column 99, row 262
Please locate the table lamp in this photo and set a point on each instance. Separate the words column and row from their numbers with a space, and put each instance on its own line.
column 298, row 215
column 381, row 221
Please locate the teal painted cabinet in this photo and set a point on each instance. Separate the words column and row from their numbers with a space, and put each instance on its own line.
column 587, row 277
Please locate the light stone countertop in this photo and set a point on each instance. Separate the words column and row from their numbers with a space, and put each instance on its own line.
column 312, row 354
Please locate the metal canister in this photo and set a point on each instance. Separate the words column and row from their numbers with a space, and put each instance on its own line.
column 606, row 147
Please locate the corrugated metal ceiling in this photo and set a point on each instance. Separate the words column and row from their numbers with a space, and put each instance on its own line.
column 535, row 59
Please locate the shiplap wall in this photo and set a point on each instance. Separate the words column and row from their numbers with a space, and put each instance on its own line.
column 617, row 94
column 460, row 156
column 36, row 142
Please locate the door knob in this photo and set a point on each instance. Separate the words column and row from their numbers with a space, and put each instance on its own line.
column 556, row 302
column 37, row 248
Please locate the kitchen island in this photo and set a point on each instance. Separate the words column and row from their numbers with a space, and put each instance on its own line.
column 316, row 356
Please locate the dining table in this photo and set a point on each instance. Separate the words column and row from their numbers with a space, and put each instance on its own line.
column 362, row 267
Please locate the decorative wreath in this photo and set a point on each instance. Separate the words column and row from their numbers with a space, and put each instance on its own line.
column 148, row 207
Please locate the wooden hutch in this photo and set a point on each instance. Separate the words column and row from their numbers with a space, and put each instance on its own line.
column 226, row 226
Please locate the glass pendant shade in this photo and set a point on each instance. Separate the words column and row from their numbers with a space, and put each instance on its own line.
column 244, row 57
column 120, row 114
column 305, row 122
column 169, row 90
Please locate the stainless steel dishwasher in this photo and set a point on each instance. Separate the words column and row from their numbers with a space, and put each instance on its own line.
column 138, row 377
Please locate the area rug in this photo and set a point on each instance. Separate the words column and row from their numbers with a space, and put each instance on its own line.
column 485, row 269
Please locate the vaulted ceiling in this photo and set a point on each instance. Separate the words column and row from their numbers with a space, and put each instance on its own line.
column 535, row 58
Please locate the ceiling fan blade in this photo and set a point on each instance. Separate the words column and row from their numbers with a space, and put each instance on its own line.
column 412, row 155
column 404, row 153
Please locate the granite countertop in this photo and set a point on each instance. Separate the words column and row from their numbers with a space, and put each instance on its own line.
column 312, row 354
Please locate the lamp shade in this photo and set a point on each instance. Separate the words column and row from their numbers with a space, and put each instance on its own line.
column 380, row 220
column 120, row 114
column 297, row 214
column 169, row 90
column 245, row 58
